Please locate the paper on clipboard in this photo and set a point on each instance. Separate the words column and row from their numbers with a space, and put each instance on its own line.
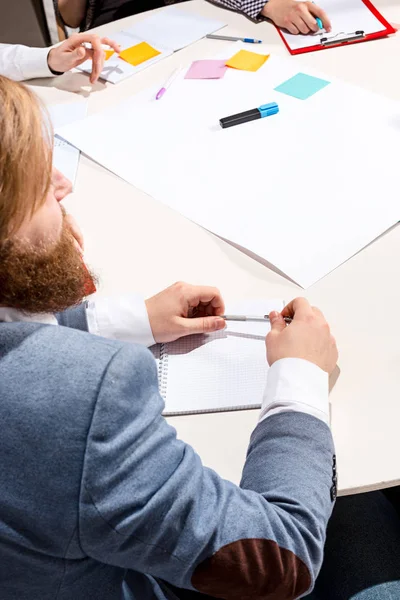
column 347, row 17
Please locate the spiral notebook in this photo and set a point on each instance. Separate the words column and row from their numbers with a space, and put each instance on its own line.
column 166, row 31
column 221, row 371
column 66, row 156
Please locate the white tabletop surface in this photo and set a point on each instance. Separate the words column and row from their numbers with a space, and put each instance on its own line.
column 137, row 244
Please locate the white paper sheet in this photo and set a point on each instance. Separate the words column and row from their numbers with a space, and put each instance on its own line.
column 167, row 31
column 225, row 370
column 305, row 189
column 65, row 156
column 174, row 28
column 346, row 16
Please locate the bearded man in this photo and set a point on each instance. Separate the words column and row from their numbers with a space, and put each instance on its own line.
column 99, row 499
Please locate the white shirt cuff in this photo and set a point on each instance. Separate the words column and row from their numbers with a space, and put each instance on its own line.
column 123, row 318
column 294, row 384
column 33, row 62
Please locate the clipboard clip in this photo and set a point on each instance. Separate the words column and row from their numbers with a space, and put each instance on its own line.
column 342, row 38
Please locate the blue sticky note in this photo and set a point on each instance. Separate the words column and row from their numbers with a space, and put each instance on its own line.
column 302, row 86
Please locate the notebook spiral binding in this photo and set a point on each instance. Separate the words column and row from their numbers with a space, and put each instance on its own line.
column 163, row 371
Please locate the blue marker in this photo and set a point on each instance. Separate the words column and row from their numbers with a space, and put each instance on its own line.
column 319, row 22
column 266, row 110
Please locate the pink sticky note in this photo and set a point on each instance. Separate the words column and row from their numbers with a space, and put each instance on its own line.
column 207, row 69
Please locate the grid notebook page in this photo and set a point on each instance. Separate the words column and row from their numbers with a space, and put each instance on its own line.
column 225, row 370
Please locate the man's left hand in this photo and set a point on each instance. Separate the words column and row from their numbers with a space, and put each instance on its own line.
column 184, row 309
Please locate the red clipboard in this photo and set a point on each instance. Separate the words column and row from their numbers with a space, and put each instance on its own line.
column 389, row 29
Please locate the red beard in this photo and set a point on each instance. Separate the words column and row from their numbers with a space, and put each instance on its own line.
column 48, row 279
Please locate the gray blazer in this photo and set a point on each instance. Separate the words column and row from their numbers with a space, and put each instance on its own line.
column 96, row 489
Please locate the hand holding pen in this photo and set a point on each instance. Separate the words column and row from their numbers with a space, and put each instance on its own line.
column 308, row 337
column 296, row 16
column 252, row 318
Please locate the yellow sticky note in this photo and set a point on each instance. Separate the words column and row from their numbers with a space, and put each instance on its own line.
column 247, row 61
column 108, row 54
column 136, row 55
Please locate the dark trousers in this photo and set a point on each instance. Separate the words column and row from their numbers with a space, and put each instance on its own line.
column 362, row 551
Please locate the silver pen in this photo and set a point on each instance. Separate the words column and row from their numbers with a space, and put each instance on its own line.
column 251, row 318
column 229, row 38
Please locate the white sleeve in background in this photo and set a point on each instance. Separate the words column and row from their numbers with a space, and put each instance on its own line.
column 21, row 62
column 122, row 318
column 295, row 384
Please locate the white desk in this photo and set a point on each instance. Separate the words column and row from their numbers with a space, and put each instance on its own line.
column 137, row 244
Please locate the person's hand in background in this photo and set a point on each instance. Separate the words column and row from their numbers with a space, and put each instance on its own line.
column 296, row 17
column 71, row 53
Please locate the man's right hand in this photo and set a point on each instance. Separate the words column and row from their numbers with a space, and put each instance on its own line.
column 296, row 17
column 308, row 336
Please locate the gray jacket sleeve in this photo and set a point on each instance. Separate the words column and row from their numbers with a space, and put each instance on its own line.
column 148, row 504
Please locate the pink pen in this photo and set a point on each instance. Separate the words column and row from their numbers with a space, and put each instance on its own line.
column 166, row 85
